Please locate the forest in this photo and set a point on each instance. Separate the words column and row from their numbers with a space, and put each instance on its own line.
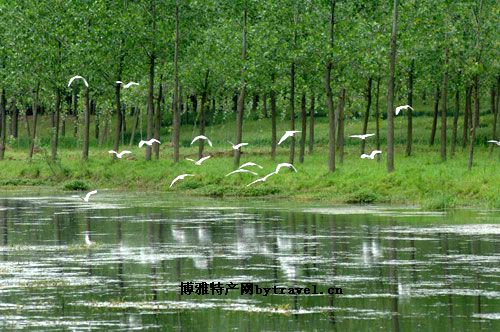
column 246, row 71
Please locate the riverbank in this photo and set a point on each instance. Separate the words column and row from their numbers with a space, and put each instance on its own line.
column 421, row 180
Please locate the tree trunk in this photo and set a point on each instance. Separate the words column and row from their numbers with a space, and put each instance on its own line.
column 272, row 96
column 390, row 91
column 497, row 110
column 176, row 121
column 329, row 94
column 55, row 128
column 455, row 123
column 75, row 113
column 149, row 130
column 194, row 105
column 444, row 110
column 97, row 119
column 311, row 124
column 495, row 118
column 494, row 112
column 264, row 106
column 35, row 120
column 64, row 116
column 86, row 126
column 467, row 116
column 104, row 135
column 28, row 128
column 213, row 110
column 367, row 112
column 477, row 114
column 377, row 117
column 15, row 122
column 118, row 115
column 3, row 123
column 52, row 120
column 474, row 124
column 241, row 97
column 183, row 107
column 235, row 102
column 291, row 156
column 341, row 124
column 255, row 103
column 136, row 124
column 158, row 118
column 435, row 116
column 303, row 122
column 124, row 124
column 409, row 112
column 204, row 97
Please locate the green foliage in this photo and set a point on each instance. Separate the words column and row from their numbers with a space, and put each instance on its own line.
column 363, row 196
column 76, row 185
column 439, row 201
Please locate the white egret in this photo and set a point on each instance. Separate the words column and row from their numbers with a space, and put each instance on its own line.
column 250, row 164
column 237, row 146
column 288, row 133
column 371, row 155
column 201, row 137
column 87, row 239
column 241, row 170
column 119, row 155
column 363, row 137
column 261, row 179
column 279, row 166
column 494, row 142
column 149, row 143
column 78, row 77
column 87, row 197
column 404, row 107
column 199, row 162
column 128, row 85
column 180, row 177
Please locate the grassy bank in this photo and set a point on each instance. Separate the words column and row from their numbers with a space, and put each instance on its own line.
column 421, row 179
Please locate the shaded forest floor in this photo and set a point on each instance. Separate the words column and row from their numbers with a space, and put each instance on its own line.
column 422, row 179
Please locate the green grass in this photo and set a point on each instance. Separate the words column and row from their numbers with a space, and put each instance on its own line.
column 422, row 179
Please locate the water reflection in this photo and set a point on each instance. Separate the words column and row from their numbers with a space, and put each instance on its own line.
column 427, row 273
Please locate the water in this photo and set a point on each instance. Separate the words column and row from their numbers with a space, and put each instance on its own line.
column 399, row 269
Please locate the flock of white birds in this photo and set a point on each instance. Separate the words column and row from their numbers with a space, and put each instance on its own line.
column 243, row 168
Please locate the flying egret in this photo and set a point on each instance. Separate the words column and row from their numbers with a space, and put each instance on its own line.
column 404, row 107
column 180, row 177
column 279, row 166
column 371, row 155
column 363, row 137
column 261, row 179
column 149, row 143
column 494, row 142
column 288, row 133
column 87, row 239
column 78, row 77
column 240, row 170
column 119, row 155
column 128, row 85
column 237, row 146
column 199, row 162
column 250, row 164
column 201, row 137
column 87, row 197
